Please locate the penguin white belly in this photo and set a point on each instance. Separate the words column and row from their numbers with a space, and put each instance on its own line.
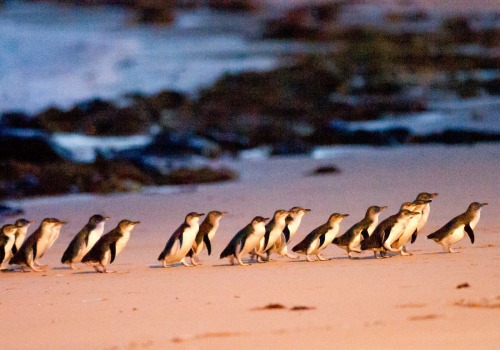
column 329, row 237
column 20, row 237
column 121, row 243
column 313, row 247
column 395, row 232
column 356, row 241
column 8, row 249
column 94, row 236
column 294, row 226
column 41, row 246
column 457, row 235
column 178, row 252
column 425, row 215
column 475, row 220
column 211, row 233
column 408, row 232
column 372, row 227
column 253, row 240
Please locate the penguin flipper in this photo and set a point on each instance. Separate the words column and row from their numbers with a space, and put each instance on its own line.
column 2, row 254
column 208, row 244
column 267, row 235
column 365, row 234
column 469, row 231
column 14, row 249
column 321, row 240
column 34, row 251
column 87, row 240
column 286, row 233
column 414, row 236
column 112, row 249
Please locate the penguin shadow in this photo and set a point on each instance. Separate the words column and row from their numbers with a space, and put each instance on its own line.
column 62, row 268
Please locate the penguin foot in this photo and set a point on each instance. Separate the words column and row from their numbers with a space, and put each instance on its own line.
column 73, row 267
column 352, row 257
column 108, row 271
column 321, row 257
column 452, row 251
column 241, row 263
column 309, row 259
column 405, row 253
column 291, row 256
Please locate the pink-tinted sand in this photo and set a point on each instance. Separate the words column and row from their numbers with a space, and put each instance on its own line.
column 411, row 302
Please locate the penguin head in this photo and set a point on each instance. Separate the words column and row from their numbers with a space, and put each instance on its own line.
column 97, row 219
column 337, row 217
column 476, row 206
column 405, row 213
column 298, row 211
column 426, row 195
column 51, row 223
column 22, row 223
column 375, row 209
column 280, row 214
column 8, row 230
column 408, row 206
column 193, row 217
column 422, row 201
column 215, row 214
column 127, row 225
column 258, row 220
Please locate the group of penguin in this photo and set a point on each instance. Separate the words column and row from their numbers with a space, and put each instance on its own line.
column 256, row 240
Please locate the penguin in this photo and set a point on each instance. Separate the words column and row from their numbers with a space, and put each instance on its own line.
column 416, row 206
column 319, row 238
column 292, row 223
column 351, row 239
column 84, row 240
column 7, row 240
column 35, row 245
column 423, row 196
column 387, row 232
column 274, row 229
column 22, row 226
column 109, row 246
column 205, row 235
column 456, row 228
column 181, row 241
column 245, row 241
column 56, row 229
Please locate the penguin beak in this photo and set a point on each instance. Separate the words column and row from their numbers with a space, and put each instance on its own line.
column 383, row 207
column 135, row 223
column 307, row 210
column 223, row 213
column 434, row 195
column 61, row 223
column 106, row 218
column 345, row 215
column 483, row 204
column 199, row 215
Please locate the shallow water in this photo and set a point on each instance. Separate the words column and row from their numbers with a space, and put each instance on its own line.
column 59, row 55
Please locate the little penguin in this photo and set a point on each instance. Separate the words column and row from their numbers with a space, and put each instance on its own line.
column 35, row 245
column 245, row 241
column 205, row 235
column 109, row 246
column 181, row 241
column 423, row 196
column 7, row 239
column 456, row 228
column 54, row 235
column 84, row 240
column 319, row 238
column 292, row 223
column 388, row 231
column 411, row 228
column 274, row 229
column 19, row 236
column 351, row 239
column 21, row 232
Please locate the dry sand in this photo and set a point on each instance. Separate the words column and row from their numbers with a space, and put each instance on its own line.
column 350, row 304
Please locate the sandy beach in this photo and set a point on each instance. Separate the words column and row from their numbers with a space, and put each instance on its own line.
column 412, row 302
